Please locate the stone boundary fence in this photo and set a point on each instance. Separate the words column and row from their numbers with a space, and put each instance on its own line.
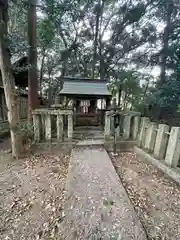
column 128, row 126
column 160, row 140
column 43, row 124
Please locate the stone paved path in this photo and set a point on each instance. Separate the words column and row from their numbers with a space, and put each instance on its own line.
column 90, row 142
column 88, row 133
column 97, row 205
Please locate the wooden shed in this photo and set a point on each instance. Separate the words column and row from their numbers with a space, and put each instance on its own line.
column 20, row 73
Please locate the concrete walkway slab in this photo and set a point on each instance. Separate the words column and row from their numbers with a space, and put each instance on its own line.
column 90, row 142
column 97, row 205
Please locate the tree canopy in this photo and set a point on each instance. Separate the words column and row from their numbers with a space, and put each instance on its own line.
column 106, row 39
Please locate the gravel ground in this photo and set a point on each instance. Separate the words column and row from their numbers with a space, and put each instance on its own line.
column 32, row 194
column 155, row 197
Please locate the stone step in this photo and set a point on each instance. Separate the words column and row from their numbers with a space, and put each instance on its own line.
column 90, row 142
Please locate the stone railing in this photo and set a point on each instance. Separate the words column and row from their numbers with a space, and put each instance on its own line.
column 160, row 140
column 42, row 121
column 128, row 126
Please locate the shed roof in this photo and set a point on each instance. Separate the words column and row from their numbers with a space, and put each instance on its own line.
column 20, row 72
column 72, row 86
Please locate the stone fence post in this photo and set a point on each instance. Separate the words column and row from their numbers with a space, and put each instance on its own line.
column 173, row 148
column 151, row 134
column 107, row 127
column 70, row 126
column 161, row 141
column 141, row 136
column 36, row 124
column 127, row 127
column 48, row 127
column 135, row 127
column 59, row 123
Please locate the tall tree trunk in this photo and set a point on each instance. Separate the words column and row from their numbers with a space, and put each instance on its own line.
column 101, row 34
column 9, row 86
column 166, row 34
column 98, row 11
column 41, row 73
column 32, row 60
column 119, row 96
column 64, row 68
column 146, row 89
column 102, row 65
column 124, row 101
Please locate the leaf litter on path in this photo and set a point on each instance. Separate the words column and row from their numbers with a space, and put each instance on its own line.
column 32, row 196
column 155, row 197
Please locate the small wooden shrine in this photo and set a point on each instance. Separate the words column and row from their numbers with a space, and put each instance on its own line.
column 90, row 99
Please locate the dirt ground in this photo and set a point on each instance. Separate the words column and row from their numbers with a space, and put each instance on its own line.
column 155, row 197
column 32, row 193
